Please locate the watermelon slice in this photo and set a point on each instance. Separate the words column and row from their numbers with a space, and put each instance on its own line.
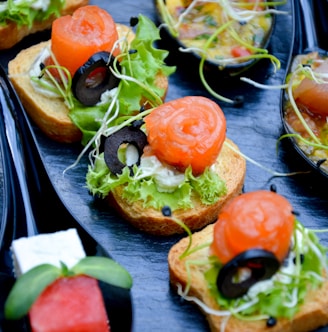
column 70, row 304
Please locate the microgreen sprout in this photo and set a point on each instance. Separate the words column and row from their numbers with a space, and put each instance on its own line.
column 166, row 211
column 274, row 173
column 48, row 82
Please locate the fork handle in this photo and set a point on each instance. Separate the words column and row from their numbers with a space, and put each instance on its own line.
column 306, row 28
column 310, row 33
column 14, row 142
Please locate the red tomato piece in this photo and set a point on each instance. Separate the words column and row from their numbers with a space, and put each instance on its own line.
column 239, row 51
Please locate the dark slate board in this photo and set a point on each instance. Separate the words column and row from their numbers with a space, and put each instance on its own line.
column 255, row 127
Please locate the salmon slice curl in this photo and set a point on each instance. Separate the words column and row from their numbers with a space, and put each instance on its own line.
column 189, row 131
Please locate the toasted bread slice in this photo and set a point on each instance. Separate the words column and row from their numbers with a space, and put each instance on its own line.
column 313, row 313
column 51, row 114
column 11, row 33
column 230, row 166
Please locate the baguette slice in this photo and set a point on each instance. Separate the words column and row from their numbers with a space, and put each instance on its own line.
column 230, row 166
column 51, row 114
column 12, row 33
column 313, row 313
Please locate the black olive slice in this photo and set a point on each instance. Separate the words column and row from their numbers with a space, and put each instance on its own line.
column 246, row 269
column 94, row 78
column 126, row 135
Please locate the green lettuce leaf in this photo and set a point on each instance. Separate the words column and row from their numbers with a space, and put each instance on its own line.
column 100, row 181
column 209, row 186
column 88, row 118
column 23, row 13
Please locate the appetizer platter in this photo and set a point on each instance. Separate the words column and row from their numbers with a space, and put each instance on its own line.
column 255, row 126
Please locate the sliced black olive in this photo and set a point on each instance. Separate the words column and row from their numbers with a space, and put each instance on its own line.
column 239, row 274
column 94, row 78
column 301, row 258
column 127, row 135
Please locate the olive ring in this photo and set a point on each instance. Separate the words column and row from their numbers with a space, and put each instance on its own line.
column 129, row 135
column 93, row 78
column 239, row 274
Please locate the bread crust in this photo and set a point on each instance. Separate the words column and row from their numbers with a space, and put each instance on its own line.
column 11, row 33
column 230, row 166
column 50, row 114
column 312, row 315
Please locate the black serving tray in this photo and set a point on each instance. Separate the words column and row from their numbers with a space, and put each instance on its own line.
column 255, row 126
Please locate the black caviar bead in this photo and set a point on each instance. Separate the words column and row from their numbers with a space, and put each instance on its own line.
column 134, row 21
column 137, row 123
column 42, row 66
column 166, row 211
column 238, row 101
column 271, row 322
column 132, row 51
column 273, row 188
column 295, row 213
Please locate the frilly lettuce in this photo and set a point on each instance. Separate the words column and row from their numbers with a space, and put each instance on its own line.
column 25, row 12
column 208, row 187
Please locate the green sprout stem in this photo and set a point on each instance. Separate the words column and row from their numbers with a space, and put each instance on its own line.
column 297, row 111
